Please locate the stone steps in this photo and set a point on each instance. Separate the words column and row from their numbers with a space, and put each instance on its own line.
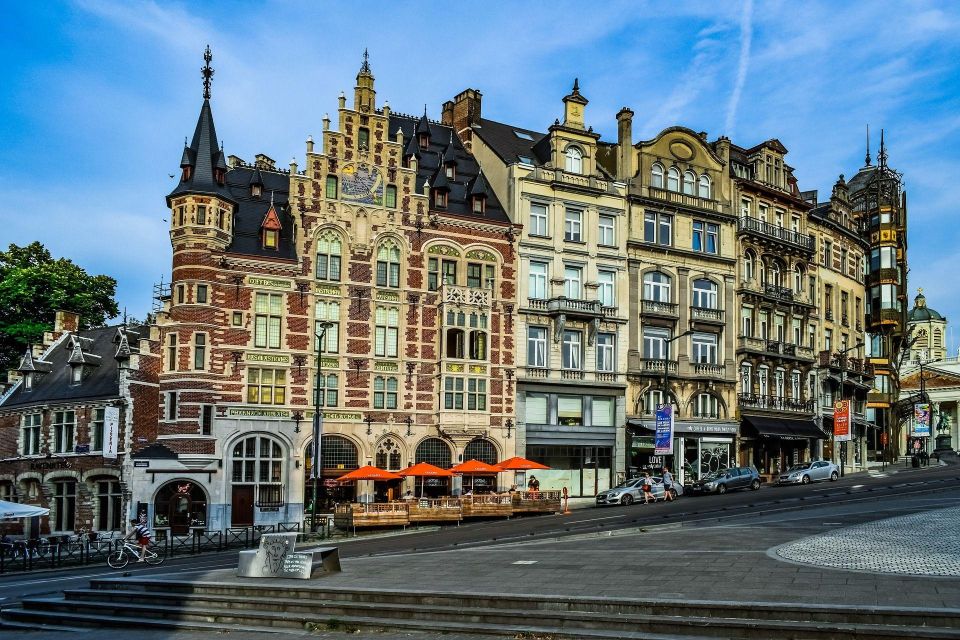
column 294, row 608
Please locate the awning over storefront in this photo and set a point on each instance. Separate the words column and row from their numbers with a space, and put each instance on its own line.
column 860, row 423
column 787, row 428
column 691, row 427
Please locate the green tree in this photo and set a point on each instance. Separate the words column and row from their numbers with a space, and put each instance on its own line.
column 33, row 285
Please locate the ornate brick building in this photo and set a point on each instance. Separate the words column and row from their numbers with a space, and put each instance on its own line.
column 378, row 283
column 81, row 401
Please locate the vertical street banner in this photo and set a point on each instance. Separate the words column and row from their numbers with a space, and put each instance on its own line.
column 111, row 432
column 663, row 436
column 841, row 420
column 921, row 420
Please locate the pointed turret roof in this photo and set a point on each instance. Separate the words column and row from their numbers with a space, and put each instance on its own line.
column 439, row 179
column 255, row 177
column 574, row 95
column 271, row 220
column 423, row 125
column 204, row 153
column 413, row 147
column 479, row 186
column 449, row 155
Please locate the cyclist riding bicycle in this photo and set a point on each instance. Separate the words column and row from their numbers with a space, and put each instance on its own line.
column 142, row 535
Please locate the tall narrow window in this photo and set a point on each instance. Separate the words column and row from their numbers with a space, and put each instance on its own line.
column 331, row 191
column 572, row 281
column 453, row 393
column 537, row 347
column 199, row 350
column 448, row 270
column 605, row 352
column 329, row 250
column 201, row 294
column 474, row 275
column 476, row 394
column 388, row 265
column 573, row 226
column 268, row 308
column 572, row 349
column 705, row 405
column 109, row 515
column 206, row 419
column 673, row 179
column 390, row 197
column 607, row 231
column 656, row 175
column 201, row 214
column 538, row 220
column 326, row 394
column 171, row 399
column 387, row 331
column 538, row 280
column 605, row 292
column 62, row 431
column 689, row 179
column 171, row 351
column 573, row 160
column 746, row 322
column 30, row 434
column 327, row 325
column 703, row 187
column 64, row 505
column 363, row 138
column 385, row 393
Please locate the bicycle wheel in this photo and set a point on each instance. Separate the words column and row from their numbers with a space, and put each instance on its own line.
column 155, row 555
column 118, row 559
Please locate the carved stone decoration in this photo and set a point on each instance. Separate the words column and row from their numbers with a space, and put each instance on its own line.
column 592, row 331
column 559, row 324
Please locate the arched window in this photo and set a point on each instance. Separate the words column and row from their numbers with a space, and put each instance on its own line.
column 179, row 505
column 573, row 160
column 433, row 451
column 746, row 378
column 656, row 286
column 388, row 265
column 258, row 463
column 689, row 182
column 704, row 186
column 673, row 179
column 656, row 176
column 388, row 455
column 329, row 251
column 774, row 273
column 704, row 294
column 480, row 449
column 749, row 266
column 705, row 405
column 798, row 278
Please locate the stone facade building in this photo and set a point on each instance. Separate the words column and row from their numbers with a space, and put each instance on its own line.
column 572, row 289
column 80, row 403
column 378, row 283
column 928, row 331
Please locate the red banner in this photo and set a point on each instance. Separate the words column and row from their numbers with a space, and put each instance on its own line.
column 841, row 420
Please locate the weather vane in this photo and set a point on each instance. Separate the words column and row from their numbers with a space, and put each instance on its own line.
column 207, row 72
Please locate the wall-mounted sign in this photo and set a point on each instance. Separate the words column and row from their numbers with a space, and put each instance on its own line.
column 235, row 412
column 386, row 366
column 261, row 282
column 141, row 464
column 327, row 290
column 663, row 435
column 273, row 358
column 111, row 432
column 921, row 420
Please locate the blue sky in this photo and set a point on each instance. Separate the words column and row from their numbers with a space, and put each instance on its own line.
column 98, row 96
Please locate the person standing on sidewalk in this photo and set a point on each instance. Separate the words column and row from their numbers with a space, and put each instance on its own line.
column 667, row 485
column 647, row 488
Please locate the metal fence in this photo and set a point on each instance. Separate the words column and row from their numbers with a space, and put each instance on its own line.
column 57, row 552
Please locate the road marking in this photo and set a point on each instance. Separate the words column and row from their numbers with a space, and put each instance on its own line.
column 526, row 562
column 832, row 523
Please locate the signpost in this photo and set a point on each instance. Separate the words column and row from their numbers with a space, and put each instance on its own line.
column 841, row 421
column 921, row 420
column 663, row 436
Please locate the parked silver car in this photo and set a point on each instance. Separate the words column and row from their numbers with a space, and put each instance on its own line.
column 631, row 491
column 808, row 472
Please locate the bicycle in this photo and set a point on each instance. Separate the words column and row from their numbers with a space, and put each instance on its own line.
column 121, row 557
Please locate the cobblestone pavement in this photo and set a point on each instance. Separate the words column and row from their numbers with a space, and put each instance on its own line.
column 142, row 634
column 919, row 544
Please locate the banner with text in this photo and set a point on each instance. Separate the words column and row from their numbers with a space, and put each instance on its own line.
column 841, row 421
column 921, row 420
column 111, row 432
column 663, row 436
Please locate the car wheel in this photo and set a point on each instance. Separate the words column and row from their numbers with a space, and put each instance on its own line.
column 755, row 485
column 673, row 493
column 805, row 480
column 834, row 476
column 626, row 500
column 722, row 489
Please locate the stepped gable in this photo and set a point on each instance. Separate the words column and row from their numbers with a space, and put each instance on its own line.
column 95, row 348
column 445, row 145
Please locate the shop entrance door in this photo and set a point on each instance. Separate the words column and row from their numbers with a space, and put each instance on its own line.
column 241, row 513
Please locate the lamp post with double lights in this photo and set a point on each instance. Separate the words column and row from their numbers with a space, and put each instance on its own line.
column 315, row 470
column 666, row 372
column 843, row 444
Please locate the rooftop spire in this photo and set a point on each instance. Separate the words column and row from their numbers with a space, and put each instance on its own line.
column 867, row 159
column 882, row 153
column 365, row 67
column 207, row 72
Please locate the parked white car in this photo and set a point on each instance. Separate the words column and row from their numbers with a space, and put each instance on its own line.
column 808, row 472
column 631, row 491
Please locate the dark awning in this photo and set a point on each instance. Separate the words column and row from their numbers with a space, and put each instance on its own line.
column 693, row 427
column 788, row 428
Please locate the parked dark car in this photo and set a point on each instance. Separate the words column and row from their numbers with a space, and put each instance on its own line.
column 727, row 480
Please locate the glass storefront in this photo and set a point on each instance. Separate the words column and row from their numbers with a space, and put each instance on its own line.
column 583, row 470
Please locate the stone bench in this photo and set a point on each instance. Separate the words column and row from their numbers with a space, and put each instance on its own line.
column 276, row 557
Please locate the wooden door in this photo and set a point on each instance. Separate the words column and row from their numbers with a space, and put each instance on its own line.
column 241, row 513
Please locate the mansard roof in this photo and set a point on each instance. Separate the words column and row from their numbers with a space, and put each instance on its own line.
column 513, row 144
column 430, row 168
column 251, row 212
column 96, row 346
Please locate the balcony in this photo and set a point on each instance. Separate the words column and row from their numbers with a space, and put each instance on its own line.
column 708, row 370
column 703, row 314
column 885, row 317
column 839, row 362
column 888, row 275
column 558, row 176
column 751, row 344
column 778, row 292
column 536, row 372
column 607, row 376
column 662, row 309
column 571, row 374
column 775, row 347
column 775, row 403
column 657, row 366
column 572, row 307
column 767, row 231
column 684, row 199
column 466, row 296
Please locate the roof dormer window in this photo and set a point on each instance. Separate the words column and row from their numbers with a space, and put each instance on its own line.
column 271, row 239
column 28, row 382
column 76, row 374
column 451, row 172
column 424, row 140
column 573, row 160
column 256, row 190
column 440, row 198
column 479, row 204
column 187, row 173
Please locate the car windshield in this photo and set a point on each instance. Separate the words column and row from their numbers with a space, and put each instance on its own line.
column 629, row 483
column 798, row 467
column 713, row 475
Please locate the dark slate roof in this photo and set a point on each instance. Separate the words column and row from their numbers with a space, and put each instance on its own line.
column 430, row 160
column 867, row 174
column 203, row 155
column 251, row 211
column 921, row 312
column 509, row 146
column 101, row 380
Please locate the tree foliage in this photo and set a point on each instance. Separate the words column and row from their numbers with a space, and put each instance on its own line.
column 34, row 285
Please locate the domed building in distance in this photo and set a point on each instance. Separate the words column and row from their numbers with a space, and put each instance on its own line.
column 929, row 328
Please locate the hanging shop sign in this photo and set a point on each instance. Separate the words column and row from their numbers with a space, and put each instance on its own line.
column 111, row 432
column 663, row 435
column 841, row 420
column 921, row 420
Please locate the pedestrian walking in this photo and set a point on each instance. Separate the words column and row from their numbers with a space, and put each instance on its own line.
column 647, row 488
column 667, row 485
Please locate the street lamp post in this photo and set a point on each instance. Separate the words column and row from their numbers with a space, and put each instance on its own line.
column 666, row 378
column 317, row 424
column 923, row 398
column 843, row 370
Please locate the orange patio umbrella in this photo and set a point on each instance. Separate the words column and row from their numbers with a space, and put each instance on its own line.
column 426, row 470
column 475, row 468
column 520, row 464
column 368, row 473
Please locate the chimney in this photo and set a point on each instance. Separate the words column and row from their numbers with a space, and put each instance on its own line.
column 466, row 109
column 625, row 143
column 66, row 321
column 446, row 113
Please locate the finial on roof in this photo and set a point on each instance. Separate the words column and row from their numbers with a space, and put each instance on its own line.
column 365, row 67
column 207, row 72
column 882, row 153
column 576, row 85
column 185, row 141
column 867, row 160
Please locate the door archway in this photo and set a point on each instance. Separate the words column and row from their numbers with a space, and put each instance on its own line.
column 339, row 455
column 179, row 505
